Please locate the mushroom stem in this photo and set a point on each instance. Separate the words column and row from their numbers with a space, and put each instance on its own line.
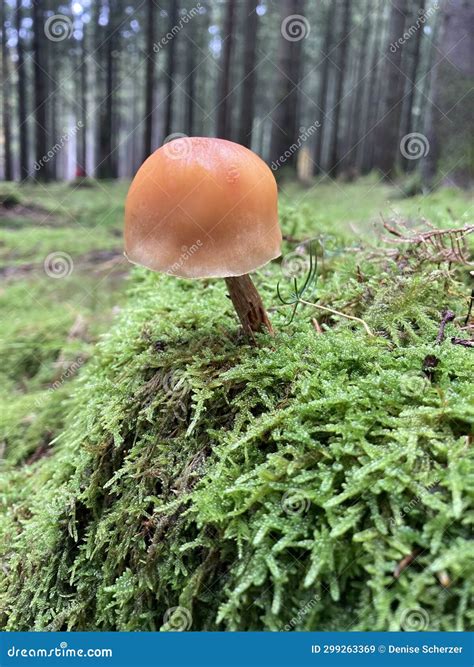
column 248, row 304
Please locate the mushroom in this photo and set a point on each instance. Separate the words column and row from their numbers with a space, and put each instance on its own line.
column 206, row 208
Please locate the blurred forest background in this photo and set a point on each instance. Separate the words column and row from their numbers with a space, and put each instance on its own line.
column 327, row 87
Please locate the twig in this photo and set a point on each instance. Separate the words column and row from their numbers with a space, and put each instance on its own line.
column 316, row 325
column 469, row 311
column 448, row 316
column 435, row 245
column 391, row 229
column 443, row 578
column 405, row 562
column 462, row 341
column 337, row 312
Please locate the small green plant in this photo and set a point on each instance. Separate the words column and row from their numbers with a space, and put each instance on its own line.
column 296, row 296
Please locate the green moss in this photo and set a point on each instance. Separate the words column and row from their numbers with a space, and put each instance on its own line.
column 275, row 486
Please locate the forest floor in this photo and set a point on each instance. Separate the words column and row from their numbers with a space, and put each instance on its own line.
column 51, row 319
column 64, row 284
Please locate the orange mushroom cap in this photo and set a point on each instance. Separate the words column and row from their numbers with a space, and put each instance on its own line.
column 202, row 208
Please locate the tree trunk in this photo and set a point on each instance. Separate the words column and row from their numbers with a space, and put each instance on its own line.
column 341, row 68
column 149, row 79
column 356, row 109
column 449, row 128
column 284, row 134
column 369, row 116
column 170, row 68
column 54, row 64
column 323, row 86
column 22, row 109
column 40, row 93
column 135, row 150
column 104, row 167
column 82, row 140
column 81, row 116
column 108, row 113
column 201, row 73
column 223, row 126
column 388, row 129
column 190, row 88
column 249, row 79
column 347, row 121
column 6, row 96
column 407, row 113
column 374, row 103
